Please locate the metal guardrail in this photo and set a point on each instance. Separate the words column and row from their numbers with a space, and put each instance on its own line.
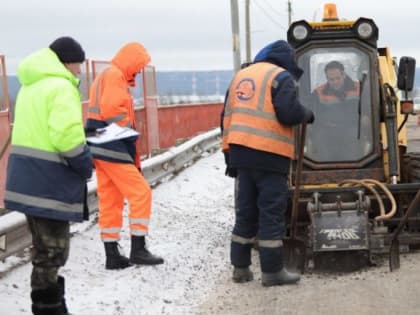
column 177, row 158
column 15, row 235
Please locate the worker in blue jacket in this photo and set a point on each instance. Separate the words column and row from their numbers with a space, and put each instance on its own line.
column 261, row 108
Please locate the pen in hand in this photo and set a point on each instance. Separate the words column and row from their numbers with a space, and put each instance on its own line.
column 100, row 131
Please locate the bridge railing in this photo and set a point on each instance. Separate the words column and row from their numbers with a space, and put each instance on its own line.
column 14, row 232
column 160, row 127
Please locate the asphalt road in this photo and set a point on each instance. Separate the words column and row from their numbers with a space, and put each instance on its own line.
column 371, row 291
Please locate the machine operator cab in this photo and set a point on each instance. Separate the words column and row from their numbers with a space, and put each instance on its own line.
column 359, row 95
column 343, row 107
column 337, row 58
column 360, row 98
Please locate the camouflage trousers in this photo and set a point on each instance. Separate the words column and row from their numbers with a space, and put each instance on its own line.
column 50, row 250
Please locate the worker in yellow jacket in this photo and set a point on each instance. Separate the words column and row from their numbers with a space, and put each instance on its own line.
column 49, row 164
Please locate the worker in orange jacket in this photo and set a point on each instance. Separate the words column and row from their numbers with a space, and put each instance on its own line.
column 260, row 111
column 117, row 162
column 339, row 87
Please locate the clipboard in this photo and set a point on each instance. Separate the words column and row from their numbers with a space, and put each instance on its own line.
column 111, row 133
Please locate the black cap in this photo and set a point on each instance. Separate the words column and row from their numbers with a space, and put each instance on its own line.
column 68, row 50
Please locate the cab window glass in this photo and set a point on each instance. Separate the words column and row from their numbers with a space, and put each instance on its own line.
column 335, row 86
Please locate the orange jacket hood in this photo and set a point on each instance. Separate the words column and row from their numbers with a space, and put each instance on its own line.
column 131, row 59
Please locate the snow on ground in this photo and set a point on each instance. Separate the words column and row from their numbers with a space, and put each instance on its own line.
column 190, row 228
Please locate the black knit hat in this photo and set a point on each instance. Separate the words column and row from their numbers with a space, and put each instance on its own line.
column 68, row 50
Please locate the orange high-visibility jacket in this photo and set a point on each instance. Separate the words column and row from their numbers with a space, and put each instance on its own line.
column 327, row 98
column 250, row 119
column 110, row 101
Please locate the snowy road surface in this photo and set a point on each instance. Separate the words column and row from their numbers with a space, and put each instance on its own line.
column 190, row 227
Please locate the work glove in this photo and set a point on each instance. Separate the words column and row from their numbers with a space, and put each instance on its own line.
column 90, row 132
column 85, row 204
column 310, row 117
column 226, row 155
column 231, row 172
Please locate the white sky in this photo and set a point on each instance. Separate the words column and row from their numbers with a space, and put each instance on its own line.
column 184, row 34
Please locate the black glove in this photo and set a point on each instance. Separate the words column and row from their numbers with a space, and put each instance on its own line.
column 226, row 155
column 310, row 117
column 85, row 204
column 90, row 132
column 231, row 172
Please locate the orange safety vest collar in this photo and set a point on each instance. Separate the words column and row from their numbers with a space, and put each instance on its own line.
column 332, row 99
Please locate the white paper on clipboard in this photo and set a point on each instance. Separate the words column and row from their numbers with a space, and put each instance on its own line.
column 111, row 133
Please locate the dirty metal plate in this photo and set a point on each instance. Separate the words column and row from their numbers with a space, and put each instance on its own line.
column 332, row 231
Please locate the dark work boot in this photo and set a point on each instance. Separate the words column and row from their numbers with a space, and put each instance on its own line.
column 241, row 275
column 62, row 286
column 47, row 301
column 140, row 255
column 279, row 278
column 114, row 259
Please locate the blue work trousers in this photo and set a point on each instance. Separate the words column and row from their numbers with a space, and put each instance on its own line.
column 260, row 206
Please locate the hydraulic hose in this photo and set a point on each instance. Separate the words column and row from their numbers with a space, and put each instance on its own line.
column 354, row 182
column 393, row 210
column 367, row 184
column 391, row 130
column 403, row 123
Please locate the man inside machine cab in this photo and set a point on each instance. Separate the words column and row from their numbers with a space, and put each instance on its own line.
column 339, row 86
column 345, row 120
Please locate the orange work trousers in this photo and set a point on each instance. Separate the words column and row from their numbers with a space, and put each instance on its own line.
column 116, row 182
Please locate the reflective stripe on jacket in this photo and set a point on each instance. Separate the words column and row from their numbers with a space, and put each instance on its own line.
column 250, row 119
column 49, row 160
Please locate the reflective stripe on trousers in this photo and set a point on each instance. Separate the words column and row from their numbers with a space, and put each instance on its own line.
column 260, row 204
column 116, row 182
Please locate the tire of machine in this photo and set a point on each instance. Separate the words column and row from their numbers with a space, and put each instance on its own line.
column 405, row 168
column 414, row 167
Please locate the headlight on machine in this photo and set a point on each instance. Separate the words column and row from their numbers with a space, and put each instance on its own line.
column 365, row 29
column 299, row 32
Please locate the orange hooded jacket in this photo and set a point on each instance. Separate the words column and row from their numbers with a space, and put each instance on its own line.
column 111, row 101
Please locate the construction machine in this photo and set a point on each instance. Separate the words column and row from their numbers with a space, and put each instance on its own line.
column 357, row 179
